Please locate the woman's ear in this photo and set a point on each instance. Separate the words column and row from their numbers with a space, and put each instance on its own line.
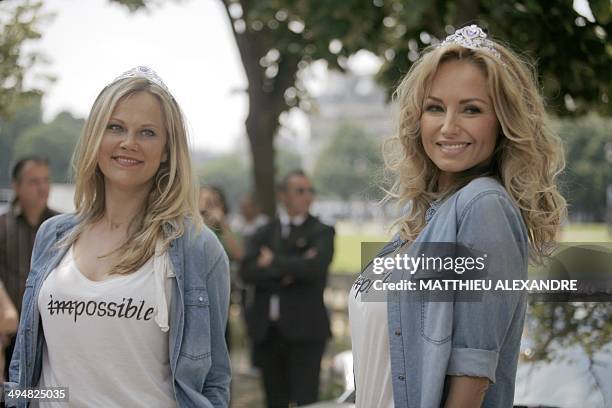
column 165, row 156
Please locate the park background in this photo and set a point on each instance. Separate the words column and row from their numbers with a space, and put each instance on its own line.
column 272, row 85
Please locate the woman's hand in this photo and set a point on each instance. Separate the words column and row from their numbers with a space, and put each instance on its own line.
column 9, row 318
column 266, row 256
column 466, row 392
column 214, row 218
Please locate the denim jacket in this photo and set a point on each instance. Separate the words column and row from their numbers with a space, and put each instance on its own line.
column 431, row 340
column 199, row 360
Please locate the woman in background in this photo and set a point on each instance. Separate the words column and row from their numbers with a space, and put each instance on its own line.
column 214, row 210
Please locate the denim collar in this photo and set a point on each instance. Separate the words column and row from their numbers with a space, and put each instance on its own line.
column 431, row 211
column 72, row 220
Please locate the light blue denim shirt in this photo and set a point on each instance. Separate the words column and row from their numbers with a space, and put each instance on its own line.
column 199, row 360
column 432, row 340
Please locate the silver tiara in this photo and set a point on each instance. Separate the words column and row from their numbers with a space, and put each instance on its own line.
column 143, row 72
column 472, row 37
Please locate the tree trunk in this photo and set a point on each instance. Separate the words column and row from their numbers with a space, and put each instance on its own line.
column 261, row 125
column 266, row 101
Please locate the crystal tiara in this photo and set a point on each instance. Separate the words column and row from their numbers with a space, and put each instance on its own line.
column 472, row 37
column 143, row 72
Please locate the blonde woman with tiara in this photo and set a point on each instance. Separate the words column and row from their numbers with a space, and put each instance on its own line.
column 475, row 164
column 127, row 299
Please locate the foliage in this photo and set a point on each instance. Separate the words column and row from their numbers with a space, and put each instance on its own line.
column 286, row 161
column 347, row 165
column 134, row 5
column 555, row 326
column 588, row 171
column 277, row 39
column 572, row 54
column 19, row 23
column 54, row 140
column 231, row 172
column 228, row 172
column 27, row 113
column 561, row 321
column 26, row 133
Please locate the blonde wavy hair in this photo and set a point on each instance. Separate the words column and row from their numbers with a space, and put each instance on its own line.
column 527, row 159
column 173, row 195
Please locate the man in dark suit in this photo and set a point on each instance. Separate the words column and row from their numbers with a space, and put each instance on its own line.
column 287, row 261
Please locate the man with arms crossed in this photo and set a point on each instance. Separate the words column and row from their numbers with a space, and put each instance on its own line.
column 287, row 261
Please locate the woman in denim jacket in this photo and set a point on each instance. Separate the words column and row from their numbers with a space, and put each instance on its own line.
column 476, row 161
column 127, row 299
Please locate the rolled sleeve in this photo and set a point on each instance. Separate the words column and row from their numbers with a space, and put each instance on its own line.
column 473, row 362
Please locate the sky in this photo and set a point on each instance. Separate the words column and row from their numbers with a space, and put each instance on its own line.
column 190, row 45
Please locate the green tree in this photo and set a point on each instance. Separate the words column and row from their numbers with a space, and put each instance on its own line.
column 228, row 172
column 572, row 54
column 27, row 113
column 277, row 39
column 587, row 172
column 556, row 325
column 348, row 165
column 55, row 141
column 19, row 23
column 231, row 172
column 287, row 160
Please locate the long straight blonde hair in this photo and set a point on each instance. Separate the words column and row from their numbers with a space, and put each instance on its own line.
column 527, row 159
column 173, row 195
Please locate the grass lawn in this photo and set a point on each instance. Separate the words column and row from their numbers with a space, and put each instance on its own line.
column 348, row 247
column 347, row 253
column 586, row 233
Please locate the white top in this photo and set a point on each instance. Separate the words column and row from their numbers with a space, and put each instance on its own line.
column 287, row 222
column 107, row 341
column 371, row 351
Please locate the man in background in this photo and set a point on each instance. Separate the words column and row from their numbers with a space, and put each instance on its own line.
column 18, row 227
column 287, row 261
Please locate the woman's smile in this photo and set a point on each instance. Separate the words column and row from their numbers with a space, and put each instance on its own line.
column 453, row 148
column 127, row 162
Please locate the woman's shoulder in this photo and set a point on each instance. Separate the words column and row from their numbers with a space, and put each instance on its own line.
column 485, row 200
column 57, row 222
column 200, row 237
column 481, row 191
column 479, row 187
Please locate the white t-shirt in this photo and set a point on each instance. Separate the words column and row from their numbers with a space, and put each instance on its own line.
column 107, row 341
column 371, row 352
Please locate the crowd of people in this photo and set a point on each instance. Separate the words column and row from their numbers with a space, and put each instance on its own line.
column 134, row 285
